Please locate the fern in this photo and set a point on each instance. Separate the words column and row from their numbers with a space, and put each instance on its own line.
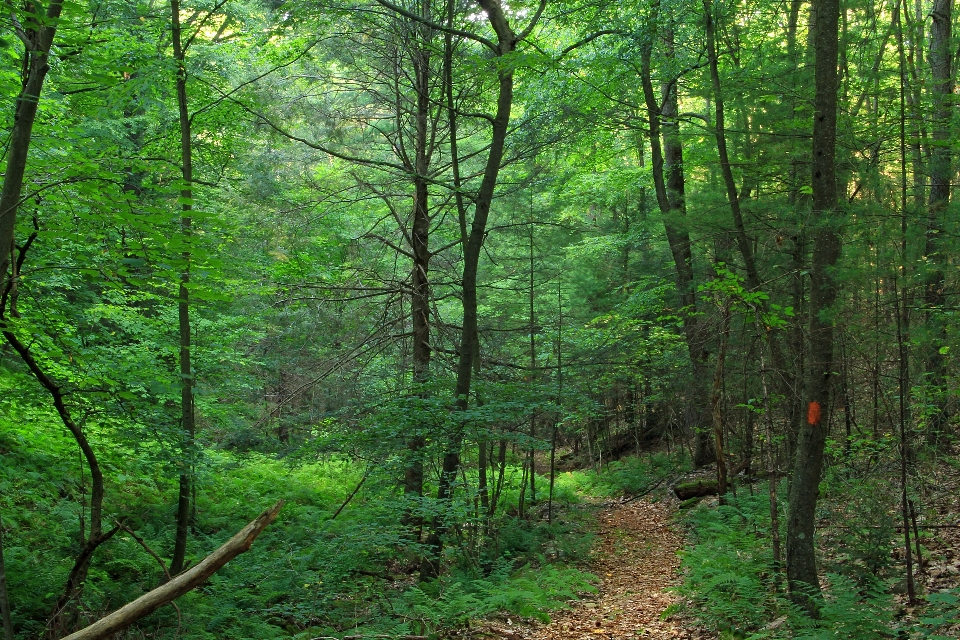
column 452, row 603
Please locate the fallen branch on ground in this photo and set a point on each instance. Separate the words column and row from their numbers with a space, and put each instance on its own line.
column 181, row 584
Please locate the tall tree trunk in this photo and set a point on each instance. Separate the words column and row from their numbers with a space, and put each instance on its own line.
column 667, row 167
column 941, row 72
column 743, row 241
column 505, row 45
column 716, row 402
column 187, row 422
column 420, row 241
column 808, row 465
column 786, row 380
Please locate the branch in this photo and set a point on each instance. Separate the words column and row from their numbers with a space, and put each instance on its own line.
column 350, row 497
column 439, row 27
column 146, row 548
column 153, row 600
column 533, row 21
column 226, row 95
column 313, row 145
column 588, row 39
column 199, row 27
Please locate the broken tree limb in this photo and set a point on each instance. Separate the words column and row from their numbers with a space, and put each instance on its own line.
column 181, row 584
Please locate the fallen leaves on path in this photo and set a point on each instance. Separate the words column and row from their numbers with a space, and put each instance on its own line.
column 636, row 562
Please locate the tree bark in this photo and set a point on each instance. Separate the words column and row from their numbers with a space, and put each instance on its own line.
column 505, row 45
column 187, row 421
column 37, row 42
column 668, row 180
column 720, row 135
column 808, row 465
column 187, row 581
column 420, row 247
column 941, row 72
column 4, row 599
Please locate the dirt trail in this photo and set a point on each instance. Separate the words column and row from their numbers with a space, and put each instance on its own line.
column 636, row 562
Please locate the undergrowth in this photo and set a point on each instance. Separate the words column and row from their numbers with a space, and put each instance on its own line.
column 308, row 574
column 630, row 475
column 732, row 586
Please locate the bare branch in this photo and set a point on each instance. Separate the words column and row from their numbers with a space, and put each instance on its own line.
column 439, row 27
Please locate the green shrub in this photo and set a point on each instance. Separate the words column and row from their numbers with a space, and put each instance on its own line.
column 456, row 600
column 728, row 578
column 630, row 475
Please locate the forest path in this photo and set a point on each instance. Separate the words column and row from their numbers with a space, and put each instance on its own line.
column 636, row 562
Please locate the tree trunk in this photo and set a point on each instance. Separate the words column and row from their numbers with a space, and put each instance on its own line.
column 670, row 199
column 187, row 422
column 187, row 581
column 743, row 241
column 506, row 43
column 38, row 43
column 941, row 72
column 420, row 246
column 808, row 465
column 716, row 403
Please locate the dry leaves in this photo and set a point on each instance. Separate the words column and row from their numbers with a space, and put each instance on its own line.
column 636, row 562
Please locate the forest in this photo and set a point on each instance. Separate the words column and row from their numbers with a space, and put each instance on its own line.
column 413, row 291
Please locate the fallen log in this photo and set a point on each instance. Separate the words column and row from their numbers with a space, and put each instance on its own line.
column 181, row 584
column 695, row 489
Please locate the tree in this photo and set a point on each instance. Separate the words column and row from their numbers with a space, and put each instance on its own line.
column 808, row 466
column 941, row 173
column 667, row 160
column 36, row 31
column 502, row 49
column 187, row 420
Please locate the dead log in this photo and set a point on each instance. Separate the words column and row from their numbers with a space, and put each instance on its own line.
column 695, row 489
column 181, row 584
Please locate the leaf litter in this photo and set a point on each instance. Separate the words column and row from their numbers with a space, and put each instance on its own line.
column 636, row 561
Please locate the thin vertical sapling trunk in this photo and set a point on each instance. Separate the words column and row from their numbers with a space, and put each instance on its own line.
column 941, row 72
column 556, row 424
column 533, row 368
column 772, row 475
column 4, row 598
column 903, row 317
column 903, row 381
column 716, row 402
column 187, row 422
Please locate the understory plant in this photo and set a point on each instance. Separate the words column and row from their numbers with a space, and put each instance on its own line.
column 732, row 585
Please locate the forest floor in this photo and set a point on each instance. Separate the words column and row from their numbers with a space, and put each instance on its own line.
column 636, row 563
